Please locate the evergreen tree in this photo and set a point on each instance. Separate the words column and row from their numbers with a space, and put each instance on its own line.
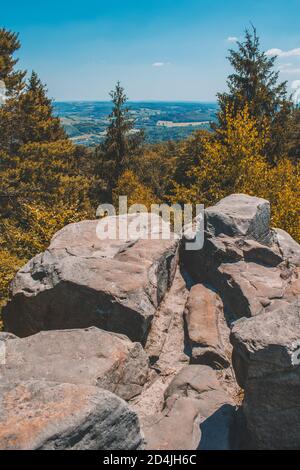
column 121, row 141
column 13, row 79
column 37, row 121
column 254, row 83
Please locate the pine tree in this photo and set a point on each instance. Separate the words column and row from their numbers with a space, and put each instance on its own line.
column 14, row 83
column 13, row 79
column 37, row 121
column 121, row 141
column 255, row 83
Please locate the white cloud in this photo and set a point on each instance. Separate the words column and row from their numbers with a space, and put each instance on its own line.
column 289, row 69
column 280, row 53
column 292, row 71
column 232, row 39
column 285, row 66
column 158, row 64
column 295, row 84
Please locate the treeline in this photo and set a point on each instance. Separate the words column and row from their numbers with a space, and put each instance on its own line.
column 47, row 181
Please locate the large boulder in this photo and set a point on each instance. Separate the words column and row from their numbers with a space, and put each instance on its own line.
column 197, row 414
column 240, row 215
column 87, row 356
column 206, row 328
column 266, row 359
column 83, row 280
column 248, row 263
column 41, row 415
column 289, row 248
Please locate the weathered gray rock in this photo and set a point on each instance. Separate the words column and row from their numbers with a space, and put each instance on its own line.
column 87, row 356
column 240, row 215
column 249, row 265
column 206, row 328
column 197, row 414
column 248, row 288
column 82, row 281
column 266, row 359
column 49, row 416
column 289, row 248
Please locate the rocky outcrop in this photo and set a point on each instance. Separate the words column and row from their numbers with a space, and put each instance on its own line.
column 266, row 359
column 170, row 355
column 49, row 416
column 82, row 280
column 196, row 414
column 178, row 377
column 249, row 264
column 206, row 328
column 87, row 356
column 255, row 270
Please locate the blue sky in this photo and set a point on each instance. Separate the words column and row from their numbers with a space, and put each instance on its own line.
column 158, row 49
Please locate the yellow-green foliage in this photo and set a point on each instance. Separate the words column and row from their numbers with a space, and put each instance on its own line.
column 137, row 193
column 233, row 161
column 9, row 264
column 44, row 187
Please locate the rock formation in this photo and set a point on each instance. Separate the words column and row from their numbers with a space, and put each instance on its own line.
column 212, row 338
column 255, row 270
column 82, row 281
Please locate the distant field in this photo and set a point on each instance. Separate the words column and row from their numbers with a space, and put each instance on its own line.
column 182, row 124
column 86, row 122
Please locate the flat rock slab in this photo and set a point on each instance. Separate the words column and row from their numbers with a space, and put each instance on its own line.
column 41, row 415
column 88, row 356
column 82, row 281
column 206, row 328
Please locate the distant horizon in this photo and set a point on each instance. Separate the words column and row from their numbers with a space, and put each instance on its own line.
column 136, row 101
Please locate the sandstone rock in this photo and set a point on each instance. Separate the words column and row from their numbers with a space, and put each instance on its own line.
column 255, row 252
column 197, row 414
column 49, row 416
column 166, row 349
column 206, row 328
column 289, row 248
column 248, row 288
column 88, row 356
column 240, row 215
column 82, row 281
column 266, row 359
column 165, row 342
column 249, row 265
